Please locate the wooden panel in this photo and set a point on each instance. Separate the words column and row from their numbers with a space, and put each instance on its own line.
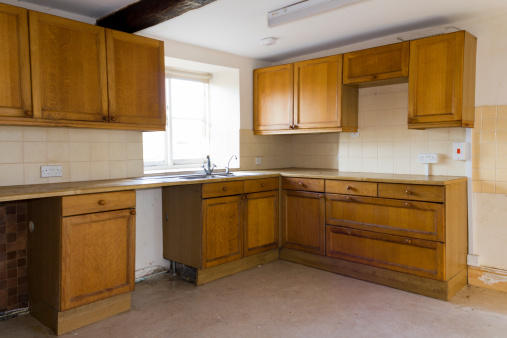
column 304, row 221
column 414, row 256
column 411, row 192
column 469, row 69
column 351, row 188
column 182, row 224
column 413, row 219
column 222, row 189
column 403, row 281
column 456, row 228
column 264, row 184
column 303, row 184
column 223, row 270
column 489, row 278
column 374, row 64
column 85, row 204
column 69, row 75
column 273, row 97
column 436, row 79
column 15, row 82
column 98, row 252
column 222, row 230
column 136, row 79
column 261, row 222
column 317, row 93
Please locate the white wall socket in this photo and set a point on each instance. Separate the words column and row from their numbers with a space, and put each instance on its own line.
column 356, row 134
column 427, row 158
column 459, row 152
column 51, row 171
column 258, row 160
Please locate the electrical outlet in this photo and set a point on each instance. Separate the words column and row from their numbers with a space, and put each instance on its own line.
column 459, row 151
column 356, row 134
column 51, row 171
column 427, row 158
column 258, row 160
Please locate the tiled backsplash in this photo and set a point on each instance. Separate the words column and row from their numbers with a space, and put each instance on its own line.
column 489, row 150
column 13, row 263
column 85, row 154
column 275, row 150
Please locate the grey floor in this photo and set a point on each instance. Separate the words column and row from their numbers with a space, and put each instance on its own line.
column 283, row 299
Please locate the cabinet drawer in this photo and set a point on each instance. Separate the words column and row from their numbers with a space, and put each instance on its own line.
column 413, row 256
column 264, row 184
column 351, row 188
column 222, row 189
column 86, row 204
column 396, row 217
column 411, row 192
column 304, row 184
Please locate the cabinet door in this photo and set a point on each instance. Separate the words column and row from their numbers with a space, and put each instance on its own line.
column 304, row 221
column 261, row 222
column 442, row 80
column 98, row 252
column 68, row 69
column 15, row 89
column 136, row 79
column 222, row 231
column 273, row 98
column 317, row 100
column 369, row 66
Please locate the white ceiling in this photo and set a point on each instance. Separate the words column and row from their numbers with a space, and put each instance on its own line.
column 236, row 26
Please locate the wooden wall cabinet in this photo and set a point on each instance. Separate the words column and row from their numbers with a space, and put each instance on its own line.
column 82, row 252
column 78, row 75
column 303, row 219
column 442, row 81
column 15, row 85
column 207, row 226
column 304, row 97
column 377, row 66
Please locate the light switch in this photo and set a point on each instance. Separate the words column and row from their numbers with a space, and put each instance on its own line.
column 458, row 151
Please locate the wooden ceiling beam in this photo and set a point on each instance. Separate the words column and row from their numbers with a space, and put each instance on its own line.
column 147, row 13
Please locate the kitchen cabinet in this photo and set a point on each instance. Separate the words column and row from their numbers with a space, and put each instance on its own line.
column 15, row 86
column 303, row 215
column 304, row 97
column 219, row 228
column 82, row 251
column 442, row 81
column 377, row 66
column 136, row 79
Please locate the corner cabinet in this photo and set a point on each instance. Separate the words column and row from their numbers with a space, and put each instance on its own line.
column 304, row 97
column 82, row 252
column 15, row 86
column 442, row 81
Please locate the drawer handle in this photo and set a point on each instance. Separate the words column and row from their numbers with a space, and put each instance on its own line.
column 408, row 205
column 301, row 184
column 132, row 212
column 408, row 192
column 349, row 187
column 28, row 113
column 409, row 241
column 263, row 184
column 102, row 202
column 224, row 188
column 349, row 198
column 349, row 232
column 320, row 196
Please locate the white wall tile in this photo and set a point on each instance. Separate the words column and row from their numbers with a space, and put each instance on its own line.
column 58, row 152
column 34, row 134
column 11, row 152
column 11, row 134
column 57, row 134
column 79, row 152
column 12, row 174
column 35, row 152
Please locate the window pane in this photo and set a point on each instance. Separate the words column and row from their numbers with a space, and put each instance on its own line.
column 154, row 147
column 188, row 99
column 188, row 139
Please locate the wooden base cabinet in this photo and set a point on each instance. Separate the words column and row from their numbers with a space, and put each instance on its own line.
column 211, row 225
column 82, row 251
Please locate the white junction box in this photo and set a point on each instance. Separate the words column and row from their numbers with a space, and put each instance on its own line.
column 427, row 158
column 51, row 171
column 258, row 160
column 459, row 151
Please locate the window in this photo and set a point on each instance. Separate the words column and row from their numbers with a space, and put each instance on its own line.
column 186, row 139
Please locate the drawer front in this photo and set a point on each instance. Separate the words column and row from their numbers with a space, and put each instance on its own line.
column 414, row 192
column 222, row 189
column 351, row 188
column 408, row 255
column 303, row 184
column 264, row 184
column 90, row 203
column 396, row 217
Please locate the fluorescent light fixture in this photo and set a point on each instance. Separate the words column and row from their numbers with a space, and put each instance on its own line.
column 305, row 9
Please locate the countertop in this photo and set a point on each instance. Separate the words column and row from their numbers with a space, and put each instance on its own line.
column 23, row 192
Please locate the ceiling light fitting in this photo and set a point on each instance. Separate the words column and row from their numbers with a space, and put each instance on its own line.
column 305, row 9
column 268, row 41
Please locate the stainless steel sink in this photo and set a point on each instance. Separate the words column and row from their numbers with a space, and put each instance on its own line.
column 198, row 176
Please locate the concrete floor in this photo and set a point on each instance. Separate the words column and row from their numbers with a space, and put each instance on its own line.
column 283, row 299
